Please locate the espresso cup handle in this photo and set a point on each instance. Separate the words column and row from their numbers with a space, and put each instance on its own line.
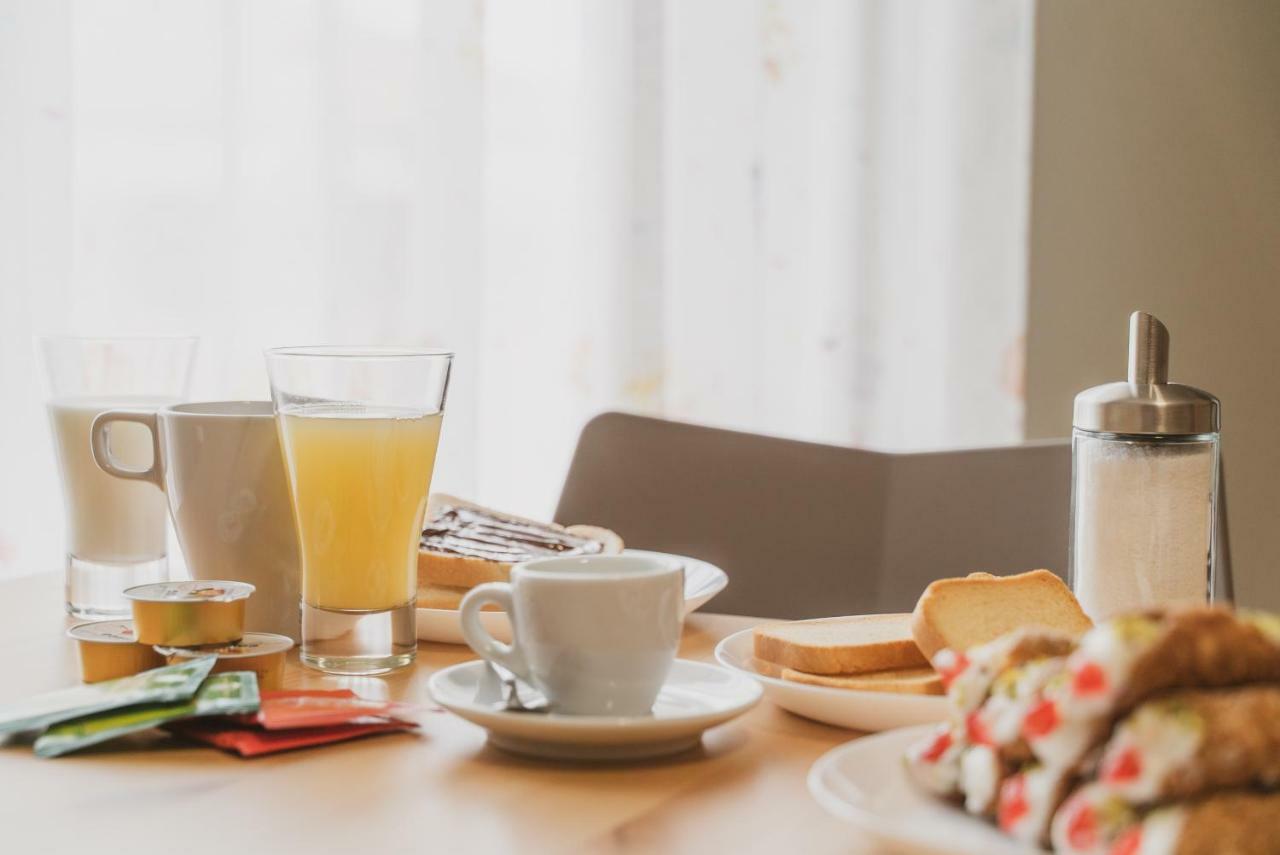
column 506, row 655
column 101, row 446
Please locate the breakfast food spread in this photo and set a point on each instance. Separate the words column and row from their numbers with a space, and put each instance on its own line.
column 110, row 649
column 958, row 614
column 1139, row 738
column 263, row 653
column 189, row 614
column 464, row 545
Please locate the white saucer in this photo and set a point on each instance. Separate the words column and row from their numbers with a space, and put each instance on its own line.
column 702, row 581
column 851, row 708
column 696, row 696
column 863, row 782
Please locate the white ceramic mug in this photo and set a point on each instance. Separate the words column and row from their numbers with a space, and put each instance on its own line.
column 595, row 634
column 219, row 465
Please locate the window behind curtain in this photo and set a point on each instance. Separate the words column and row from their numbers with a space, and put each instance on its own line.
column 803, row 218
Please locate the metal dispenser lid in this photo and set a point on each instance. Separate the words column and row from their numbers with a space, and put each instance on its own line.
column 1147, row 404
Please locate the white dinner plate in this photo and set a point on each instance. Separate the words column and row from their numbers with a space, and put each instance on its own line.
column 858, row 710
column 702, row 581
column 864, row 782
column 696, row 696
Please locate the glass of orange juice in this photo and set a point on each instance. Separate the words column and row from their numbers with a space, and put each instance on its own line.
column 359, row 428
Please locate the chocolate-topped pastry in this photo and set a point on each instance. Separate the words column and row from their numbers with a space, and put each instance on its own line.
column 477, row 533
column 464, row 545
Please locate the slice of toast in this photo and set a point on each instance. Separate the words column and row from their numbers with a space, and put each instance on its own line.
column 465, row 544
column 846, row 645
column 963, row 613
column 905, row 681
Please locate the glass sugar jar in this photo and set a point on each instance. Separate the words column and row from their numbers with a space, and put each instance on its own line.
column 1144, row 485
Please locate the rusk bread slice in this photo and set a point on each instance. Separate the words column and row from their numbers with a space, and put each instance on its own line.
column 963, row 613
column 905, row 681
column 845, row 645
column 461, row 571
column 766, row 668
column 441, row 597
column 457, row 571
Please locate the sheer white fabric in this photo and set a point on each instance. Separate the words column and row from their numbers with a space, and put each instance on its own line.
column 797, row 217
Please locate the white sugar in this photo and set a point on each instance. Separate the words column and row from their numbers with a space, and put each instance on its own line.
column 1143, row 523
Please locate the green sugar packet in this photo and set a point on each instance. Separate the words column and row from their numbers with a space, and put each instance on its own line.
column 159, row 685
column 228, row 693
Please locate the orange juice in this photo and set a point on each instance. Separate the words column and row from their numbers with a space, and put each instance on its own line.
column 359, row 479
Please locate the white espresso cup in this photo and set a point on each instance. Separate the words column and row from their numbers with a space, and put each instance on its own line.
column 595, row 634
column 220, row 468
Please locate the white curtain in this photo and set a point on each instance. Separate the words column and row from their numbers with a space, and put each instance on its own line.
column 800, row 217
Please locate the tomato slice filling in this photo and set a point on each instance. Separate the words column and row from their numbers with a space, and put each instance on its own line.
column 1089, row 679
column 952, row 666
column 1013, row 802
column 976, row 729
column 1082, row 828
column 1127, row 843
column 1125, row 766
column 1041, row 720
column 937, row 748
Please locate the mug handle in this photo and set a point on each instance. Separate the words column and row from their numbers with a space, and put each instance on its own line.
column 506, row 655
column 100, row 445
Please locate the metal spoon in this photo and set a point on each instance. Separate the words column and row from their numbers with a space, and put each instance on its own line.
column 511, row 690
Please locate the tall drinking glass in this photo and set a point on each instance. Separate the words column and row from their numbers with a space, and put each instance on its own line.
column 359, row 428
column 115, row 529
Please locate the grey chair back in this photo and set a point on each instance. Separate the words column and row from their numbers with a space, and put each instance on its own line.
column 811, row 530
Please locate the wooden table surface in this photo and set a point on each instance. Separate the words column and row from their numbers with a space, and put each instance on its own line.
column 442, row 790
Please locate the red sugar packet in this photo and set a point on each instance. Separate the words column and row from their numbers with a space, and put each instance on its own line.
column 294, row 708
column 253, row 741
column 297, row 718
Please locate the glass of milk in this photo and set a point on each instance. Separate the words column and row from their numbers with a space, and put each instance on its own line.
column 115, row 529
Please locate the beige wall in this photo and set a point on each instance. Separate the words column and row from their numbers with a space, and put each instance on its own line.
column 1156, row 185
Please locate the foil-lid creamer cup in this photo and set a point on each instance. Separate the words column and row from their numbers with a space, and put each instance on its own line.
column 110, row 649
column 189, row 614
column 263, row 653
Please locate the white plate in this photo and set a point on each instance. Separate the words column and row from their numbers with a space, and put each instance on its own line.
column 702, row 581
column 864, row 782
column 696, row 696
column 867, row 711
